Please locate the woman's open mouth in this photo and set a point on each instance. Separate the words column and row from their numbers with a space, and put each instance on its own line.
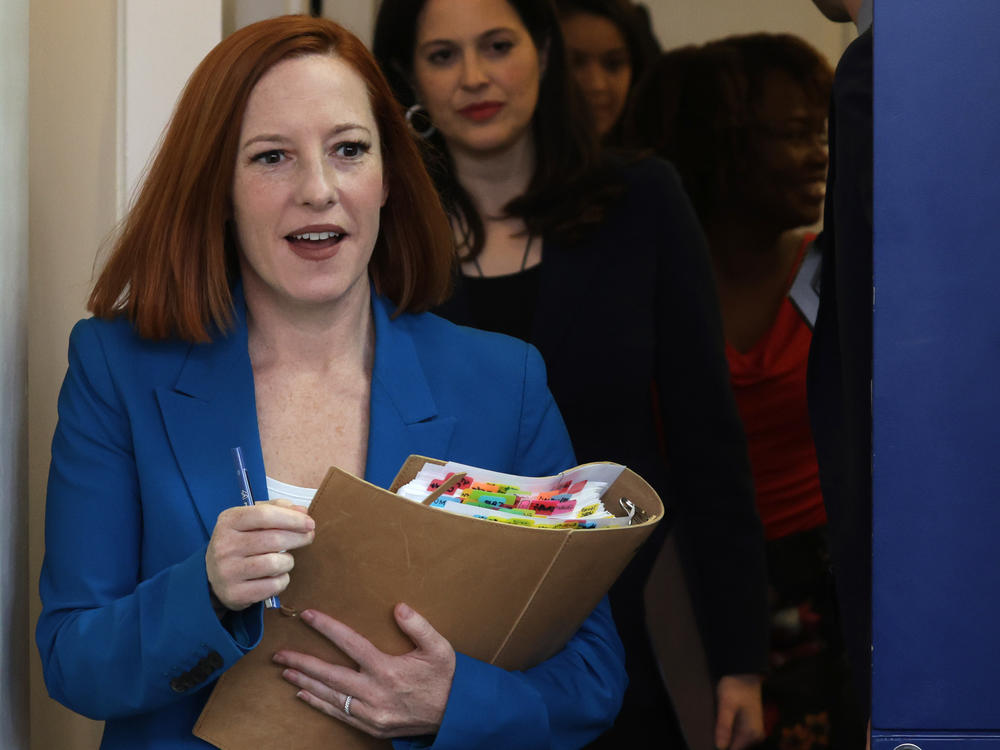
column 316, row 245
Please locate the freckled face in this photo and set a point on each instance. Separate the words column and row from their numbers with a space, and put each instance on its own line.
column 308, row 185
column 477, row 71
column 600, row 63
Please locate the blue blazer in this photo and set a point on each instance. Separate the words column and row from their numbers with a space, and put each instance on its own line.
column 141, row 468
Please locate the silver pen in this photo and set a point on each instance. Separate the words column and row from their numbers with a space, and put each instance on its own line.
column 247, row 495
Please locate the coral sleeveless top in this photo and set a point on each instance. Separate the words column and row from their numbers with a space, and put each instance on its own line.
column 769, row 383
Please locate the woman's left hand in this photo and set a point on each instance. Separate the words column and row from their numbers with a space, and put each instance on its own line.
column 390, row 696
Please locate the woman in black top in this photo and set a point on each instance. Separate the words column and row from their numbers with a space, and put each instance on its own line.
column 603, row 267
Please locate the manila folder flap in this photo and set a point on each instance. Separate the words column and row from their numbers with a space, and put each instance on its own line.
column 507, row 595
column 471, row 579
column 588, row 563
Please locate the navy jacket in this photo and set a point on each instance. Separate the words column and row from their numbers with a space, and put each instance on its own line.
column 628, row 309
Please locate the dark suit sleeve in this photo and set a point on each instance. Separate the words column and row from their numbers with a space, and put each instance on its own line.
column 717, row 525
column 112, row 644
column 840, row 357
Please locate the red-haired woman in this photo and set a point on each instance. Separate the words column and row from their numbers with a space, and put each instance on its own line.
column 265, row 291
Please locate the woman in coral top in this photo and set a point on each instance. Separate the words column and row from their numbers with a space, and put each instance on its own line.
column 744, row 121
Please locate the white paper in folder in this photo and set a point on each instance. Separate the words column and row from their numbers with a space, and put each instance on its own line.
column 572, row 499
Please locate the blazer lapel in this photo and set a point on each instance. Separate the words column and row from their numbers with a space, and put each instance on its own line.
column 210, row 410
column 404, row 418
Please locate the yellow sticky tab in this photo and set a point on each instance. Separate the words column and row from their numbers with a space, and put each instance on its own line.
column 514, row 521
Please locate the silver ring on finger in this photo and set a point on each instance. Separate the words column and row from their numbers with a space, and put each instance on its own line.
column 347, row 704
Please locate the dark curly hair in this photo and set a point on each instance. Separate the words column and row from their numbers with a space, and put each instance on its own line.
column 696, row 105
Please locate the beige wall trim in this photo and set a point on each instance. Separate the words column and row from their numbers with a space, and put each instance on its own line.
column 90, row 140
column 14, row 573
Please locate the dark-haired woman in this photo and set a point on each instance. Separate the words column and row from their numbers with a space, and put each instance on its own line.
column 744, row 120
column 266, row 292
column 603, row 267
column 609, row 44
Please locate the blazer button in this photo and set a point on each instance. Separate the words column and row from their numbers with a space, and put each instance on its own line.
column 180, row 684
column 199, row 673
column 204, row 668
column 214, row 660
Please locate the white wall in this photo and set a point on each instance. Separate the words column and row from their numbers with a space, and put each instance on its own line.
column 13, row 374
column 356, row 15
column 239, row 13
column 72, row 183
column 72, row 167
column 675, row 22
column 680, row 22
column 104, row 77
column 160, row 44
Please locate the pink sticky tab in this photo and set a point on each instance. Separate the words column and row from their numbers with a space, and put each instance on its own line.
column 542, row 505
column 565, row 506
column 463, row 484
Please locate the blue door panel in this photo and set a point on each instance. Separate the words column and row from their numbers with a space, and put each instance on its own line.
column 941, row 741
column 936, row 389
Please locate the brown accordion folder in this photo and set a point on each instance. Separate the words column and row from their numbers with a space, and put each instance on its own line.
column 508, row 595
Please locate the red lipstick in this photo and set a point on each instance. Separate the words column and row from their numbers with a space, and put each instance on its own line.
column 481, row 111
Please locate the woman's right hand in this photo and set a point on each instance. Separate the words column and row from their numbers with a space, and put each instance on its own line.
column 247, row 558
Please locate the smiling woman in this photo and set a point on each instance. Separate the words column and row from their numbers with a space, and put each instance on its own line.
column 744, row 119
column 266, row 292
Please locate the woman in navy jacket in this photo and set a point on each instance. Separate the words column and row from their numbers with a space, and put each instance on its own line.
column 603, row 267
column 265, row 292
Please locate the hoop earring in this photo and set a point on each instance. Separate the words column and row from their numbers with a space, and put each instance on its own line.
column 418, row 110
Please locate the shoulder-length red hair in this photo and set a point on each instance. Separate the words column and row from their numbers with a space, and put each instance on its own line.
column 174, row 258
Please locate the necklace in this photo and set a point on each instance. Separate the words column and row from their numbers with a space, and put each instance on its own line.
column 524, row 258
